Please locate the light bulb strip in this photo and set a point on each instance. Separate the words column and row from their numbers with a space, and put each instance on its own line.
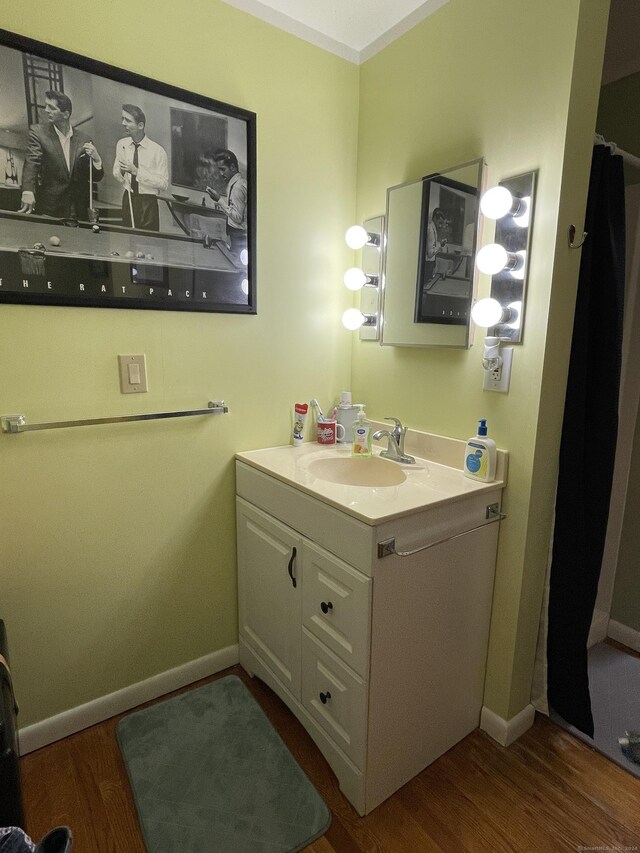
column 506, row 260
column 367, row 279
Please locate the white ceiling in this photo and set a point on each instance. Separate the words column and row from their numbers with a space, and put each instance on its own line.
column 353, row 29
column 357, row 29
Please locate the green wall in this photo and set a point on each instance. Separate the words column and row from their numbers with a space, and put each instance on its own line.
column 118, row 543
column 618, row 123
column 618, row 118
column 492, row 79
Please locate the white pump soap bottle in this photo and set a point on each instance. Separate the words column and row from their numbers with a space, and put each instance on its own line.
column 480, row 455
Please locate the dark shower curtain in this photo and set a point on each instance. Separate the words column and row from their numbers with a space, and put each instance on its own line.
column 587, row 451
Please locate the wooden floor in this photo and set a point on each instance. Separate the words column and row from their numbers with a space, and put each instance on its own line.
column 547, row 792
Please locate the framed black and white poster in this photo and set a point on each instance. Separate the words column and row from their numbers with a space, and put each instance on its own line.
column 119, row 191
column 444, row 286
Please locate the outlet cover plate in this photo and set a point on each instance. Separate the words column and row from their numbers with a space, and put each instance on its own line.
column 498, row 380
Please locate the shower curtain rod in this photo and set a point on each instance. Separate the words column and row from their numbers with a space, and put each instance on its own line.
column 631, row 159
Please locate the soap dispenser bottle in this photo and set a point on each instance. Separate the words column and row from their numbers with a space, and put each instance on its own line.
column 361, row 435
column 480, row 455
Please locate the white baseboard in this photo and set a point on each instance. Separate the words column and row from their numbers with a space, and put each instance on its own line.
column 75, row 719
column 624, row 634
column 506, row 731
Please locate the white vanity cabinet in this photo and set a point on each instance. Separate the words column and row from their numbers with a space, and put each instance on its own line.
column 382, row 658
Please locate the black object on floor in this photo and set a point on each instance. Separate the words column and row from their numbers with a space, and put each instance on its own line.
column 15, row 840
column 11, row 810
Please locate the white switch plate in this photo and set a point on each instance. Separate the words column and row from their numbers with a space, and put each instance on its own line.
column 130, row 366
column 498, row 380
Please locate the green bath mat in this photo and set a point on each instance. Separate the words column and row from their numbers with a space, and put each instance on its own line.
column 210, row 774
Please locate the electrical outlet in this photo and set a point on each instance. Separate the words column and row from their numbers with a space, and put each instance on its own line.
column 498, row 379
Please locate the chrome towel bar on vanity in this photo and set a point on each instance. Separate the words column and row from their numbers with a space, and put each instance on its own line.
column 18, row 423
column 388, row 547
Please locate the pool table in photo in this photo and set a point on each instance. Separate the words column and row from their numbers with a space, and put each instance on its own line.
column 48, row 261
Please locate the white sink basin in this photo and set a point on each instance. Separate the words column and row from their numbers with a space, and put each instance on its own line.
column 351, row 471
column 372, row 490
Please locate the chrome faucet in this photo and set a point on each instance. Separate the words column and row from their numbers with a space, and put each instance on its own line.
column 395, row 447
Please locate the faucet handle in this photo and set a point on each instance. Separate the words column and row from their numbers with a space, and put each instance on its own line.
column 398, row 428
column 399, row 433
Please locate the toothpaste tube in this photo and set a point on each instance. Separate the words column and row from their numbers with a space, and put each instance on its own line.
column 299, row 418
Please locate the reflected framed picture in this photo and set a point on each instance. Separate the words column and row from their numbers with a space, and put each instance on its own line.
column 119, row 191
column 444, row 286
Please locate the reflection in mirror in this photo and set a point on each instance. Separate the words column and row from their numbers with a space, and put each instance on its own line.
column 429, row 273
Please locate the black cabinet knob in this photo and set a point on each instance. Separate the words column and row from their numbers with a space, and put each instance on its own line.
column 326, row 606
column 324, row 697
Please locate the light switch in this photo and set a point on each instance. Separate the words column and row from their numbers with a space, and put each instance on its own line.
column 133, row 374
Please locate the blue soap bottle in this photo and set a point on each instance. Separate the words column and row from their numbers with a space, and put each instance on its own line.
column 480, row 455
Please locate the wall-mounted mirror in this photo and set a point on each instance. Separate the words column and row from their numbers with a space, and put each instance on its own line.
column 429, row 275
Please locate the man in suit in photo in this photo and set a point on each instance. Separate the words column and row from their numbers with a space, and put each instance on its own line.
column 55, row 178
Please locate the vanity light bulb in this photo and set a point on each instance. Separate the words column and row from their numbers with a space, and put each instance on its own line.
column 518, row 270
column 244, row 286
column 356, row 237
column 492, row 259
column 244, row 257
column 515, row 312
column 355, row 278
column 352, row 319
column 486, row 312
column 496, row 202
column 522, row 216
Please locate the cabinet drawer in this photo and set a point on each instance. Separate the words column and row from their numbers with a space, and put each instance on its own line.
column 336, row 606
column 335, row 697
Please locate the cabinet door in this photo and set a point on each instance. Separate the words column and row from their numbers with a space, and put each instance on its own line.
column 269, row 589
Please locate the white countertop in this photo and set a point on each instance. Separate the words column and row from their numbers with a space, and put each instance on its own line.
column 427, row 484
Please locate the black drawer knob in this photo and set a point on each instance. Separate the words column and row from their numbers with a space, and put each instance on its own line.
column 324, row 697
column 326, row 606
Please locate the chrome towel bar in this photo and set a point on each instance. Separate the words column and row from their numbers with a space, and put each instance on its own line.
column 18, row 423
column 388, row 547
